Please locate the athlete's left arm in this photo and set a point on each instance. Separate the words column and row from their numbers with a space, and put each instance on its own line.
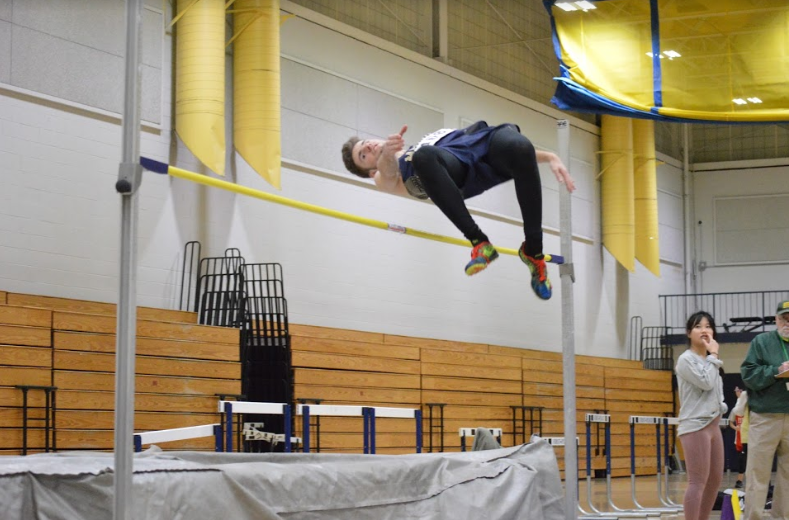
column 558, row 168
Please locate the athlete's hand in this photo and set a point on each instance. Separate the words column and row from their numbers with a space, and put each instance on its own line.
column 562, row 175
column 394, row 143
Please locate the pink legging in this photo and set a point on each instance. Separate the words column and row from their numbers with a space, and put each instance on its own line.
column 704, row 465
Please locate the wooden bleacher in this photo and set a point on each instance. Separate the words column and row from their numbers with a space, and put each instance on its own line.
column 478, row 382
column 180, row 366
column 70, row 344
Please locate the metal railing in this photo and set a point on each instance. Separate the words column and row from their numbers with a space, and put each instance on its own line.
column 743, row 313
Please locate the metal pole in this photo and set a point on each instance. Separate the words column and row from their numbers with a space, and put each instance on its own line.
column 129, row 178
column 568, row 331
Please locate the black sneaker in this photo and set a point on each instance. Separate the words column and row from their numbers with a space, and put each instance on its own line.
column 738, row 484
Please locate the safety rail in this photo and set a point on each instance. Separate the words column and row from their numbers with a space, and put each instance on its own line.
column 739, row 315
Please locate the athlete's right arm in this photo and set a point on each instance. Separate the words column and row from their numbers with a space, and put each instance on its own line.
column 388, row 177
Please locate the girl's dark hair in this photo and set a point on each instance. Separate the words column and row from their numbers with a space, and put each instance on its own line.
column 347, row 158
column 696, row 318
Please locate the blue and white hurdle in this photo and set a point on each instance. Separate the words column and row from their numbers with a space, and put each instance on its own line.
column 229, row 408
column 368, row 413
column 619, row 512
column 634, row 420
column 179, row 434
column 560, row 442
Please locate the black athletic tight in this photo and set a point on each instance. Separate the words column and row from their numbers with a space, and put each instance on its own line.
column 511, row 155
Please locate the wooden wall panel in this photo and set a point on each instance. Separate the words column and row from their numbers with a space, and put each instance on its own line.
column 29, row 336
column 75, row 322
column 102, row 381
column 11, row 315
column 93, row 400
column 148, row 346
column 147, row 365
column 25, row 357
column 180, row 367
column 89, row 307
column 11, row 376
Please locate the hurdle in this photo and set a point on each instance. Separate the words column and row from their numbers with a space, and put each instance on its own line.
column 634, row 420
column 228, row 408
column 560, row 442
column 605, row 419
column 472, row 432
column 179, row 434
column 665, row 499
column 368, row 415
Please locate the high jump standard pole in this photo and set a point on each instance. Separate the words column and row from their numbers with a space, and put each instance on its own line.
column 567, row 273
column 129, row 178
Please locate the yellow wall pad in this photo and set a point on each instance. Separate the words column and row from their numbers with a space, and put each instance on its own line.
column 200, row 80
column 256, row 86
column 159, row 167
column 617, row 189
column 645, row 192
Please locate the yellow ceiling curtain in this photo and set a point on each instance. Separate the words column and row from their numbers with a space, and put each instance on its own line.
column 700, row 60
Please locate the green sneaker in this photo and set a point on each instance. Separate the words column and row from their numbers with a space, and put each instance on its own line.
column 481, row 256
column 539, row 274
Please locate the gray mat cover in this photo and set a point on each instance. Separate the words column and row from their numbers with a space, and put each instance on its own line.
column 511, row 483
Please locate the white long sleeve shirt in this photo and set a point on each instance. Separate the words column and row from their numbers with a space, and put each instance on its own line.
column 700, row 391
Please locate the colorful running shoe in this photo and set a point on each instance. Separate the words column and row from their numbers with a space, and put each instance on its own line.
column 481, row 256
column 539, row 274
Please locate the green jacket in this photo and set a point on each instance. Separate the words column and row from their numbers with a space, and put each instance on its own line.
column 766, row 394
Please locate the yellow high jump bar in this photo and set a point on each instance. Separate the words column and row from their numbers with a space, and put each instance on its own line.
column 163, row 168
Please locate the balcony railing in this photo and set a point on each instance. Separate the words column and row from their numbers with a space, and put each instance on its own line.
column 739, row 316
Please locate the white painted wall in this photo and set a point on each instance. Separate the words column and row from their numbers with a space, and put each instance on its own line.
column 713, row 181
column 59, row 213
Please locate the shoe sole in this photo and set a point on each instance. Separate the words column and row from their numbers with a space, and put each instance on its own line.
column 475, row 268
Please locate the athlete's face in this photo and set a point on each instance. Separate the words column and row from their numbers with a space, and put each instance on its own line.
column 366, row 153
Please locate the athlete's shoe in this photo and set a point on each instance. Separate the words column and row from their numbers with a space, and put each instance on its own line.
column 481, row 256
column 539, row 274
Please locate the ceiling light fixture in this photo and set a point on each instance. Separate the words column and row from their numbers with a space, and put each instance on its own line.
column 754, row 100
column 740, row 101
column 584, row 5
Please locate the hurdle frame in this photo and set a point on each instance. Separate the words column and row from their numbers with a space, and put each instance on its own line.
column 368, row 415
column 633, row 420
column 180, row 434
column 498, row 433
column 605, row 419
column 560, row 442
column 228, row 408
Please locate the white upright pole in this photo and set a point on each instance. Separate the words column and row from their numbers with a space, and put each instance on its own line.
column 567, row 273
column 129, row 178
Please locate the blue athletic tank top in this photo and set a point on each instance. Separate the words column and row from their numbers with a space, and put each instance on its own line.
column 470, row 146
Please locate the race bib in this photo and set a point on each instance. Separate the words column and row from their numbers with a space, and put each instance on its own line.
column 428, row 140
